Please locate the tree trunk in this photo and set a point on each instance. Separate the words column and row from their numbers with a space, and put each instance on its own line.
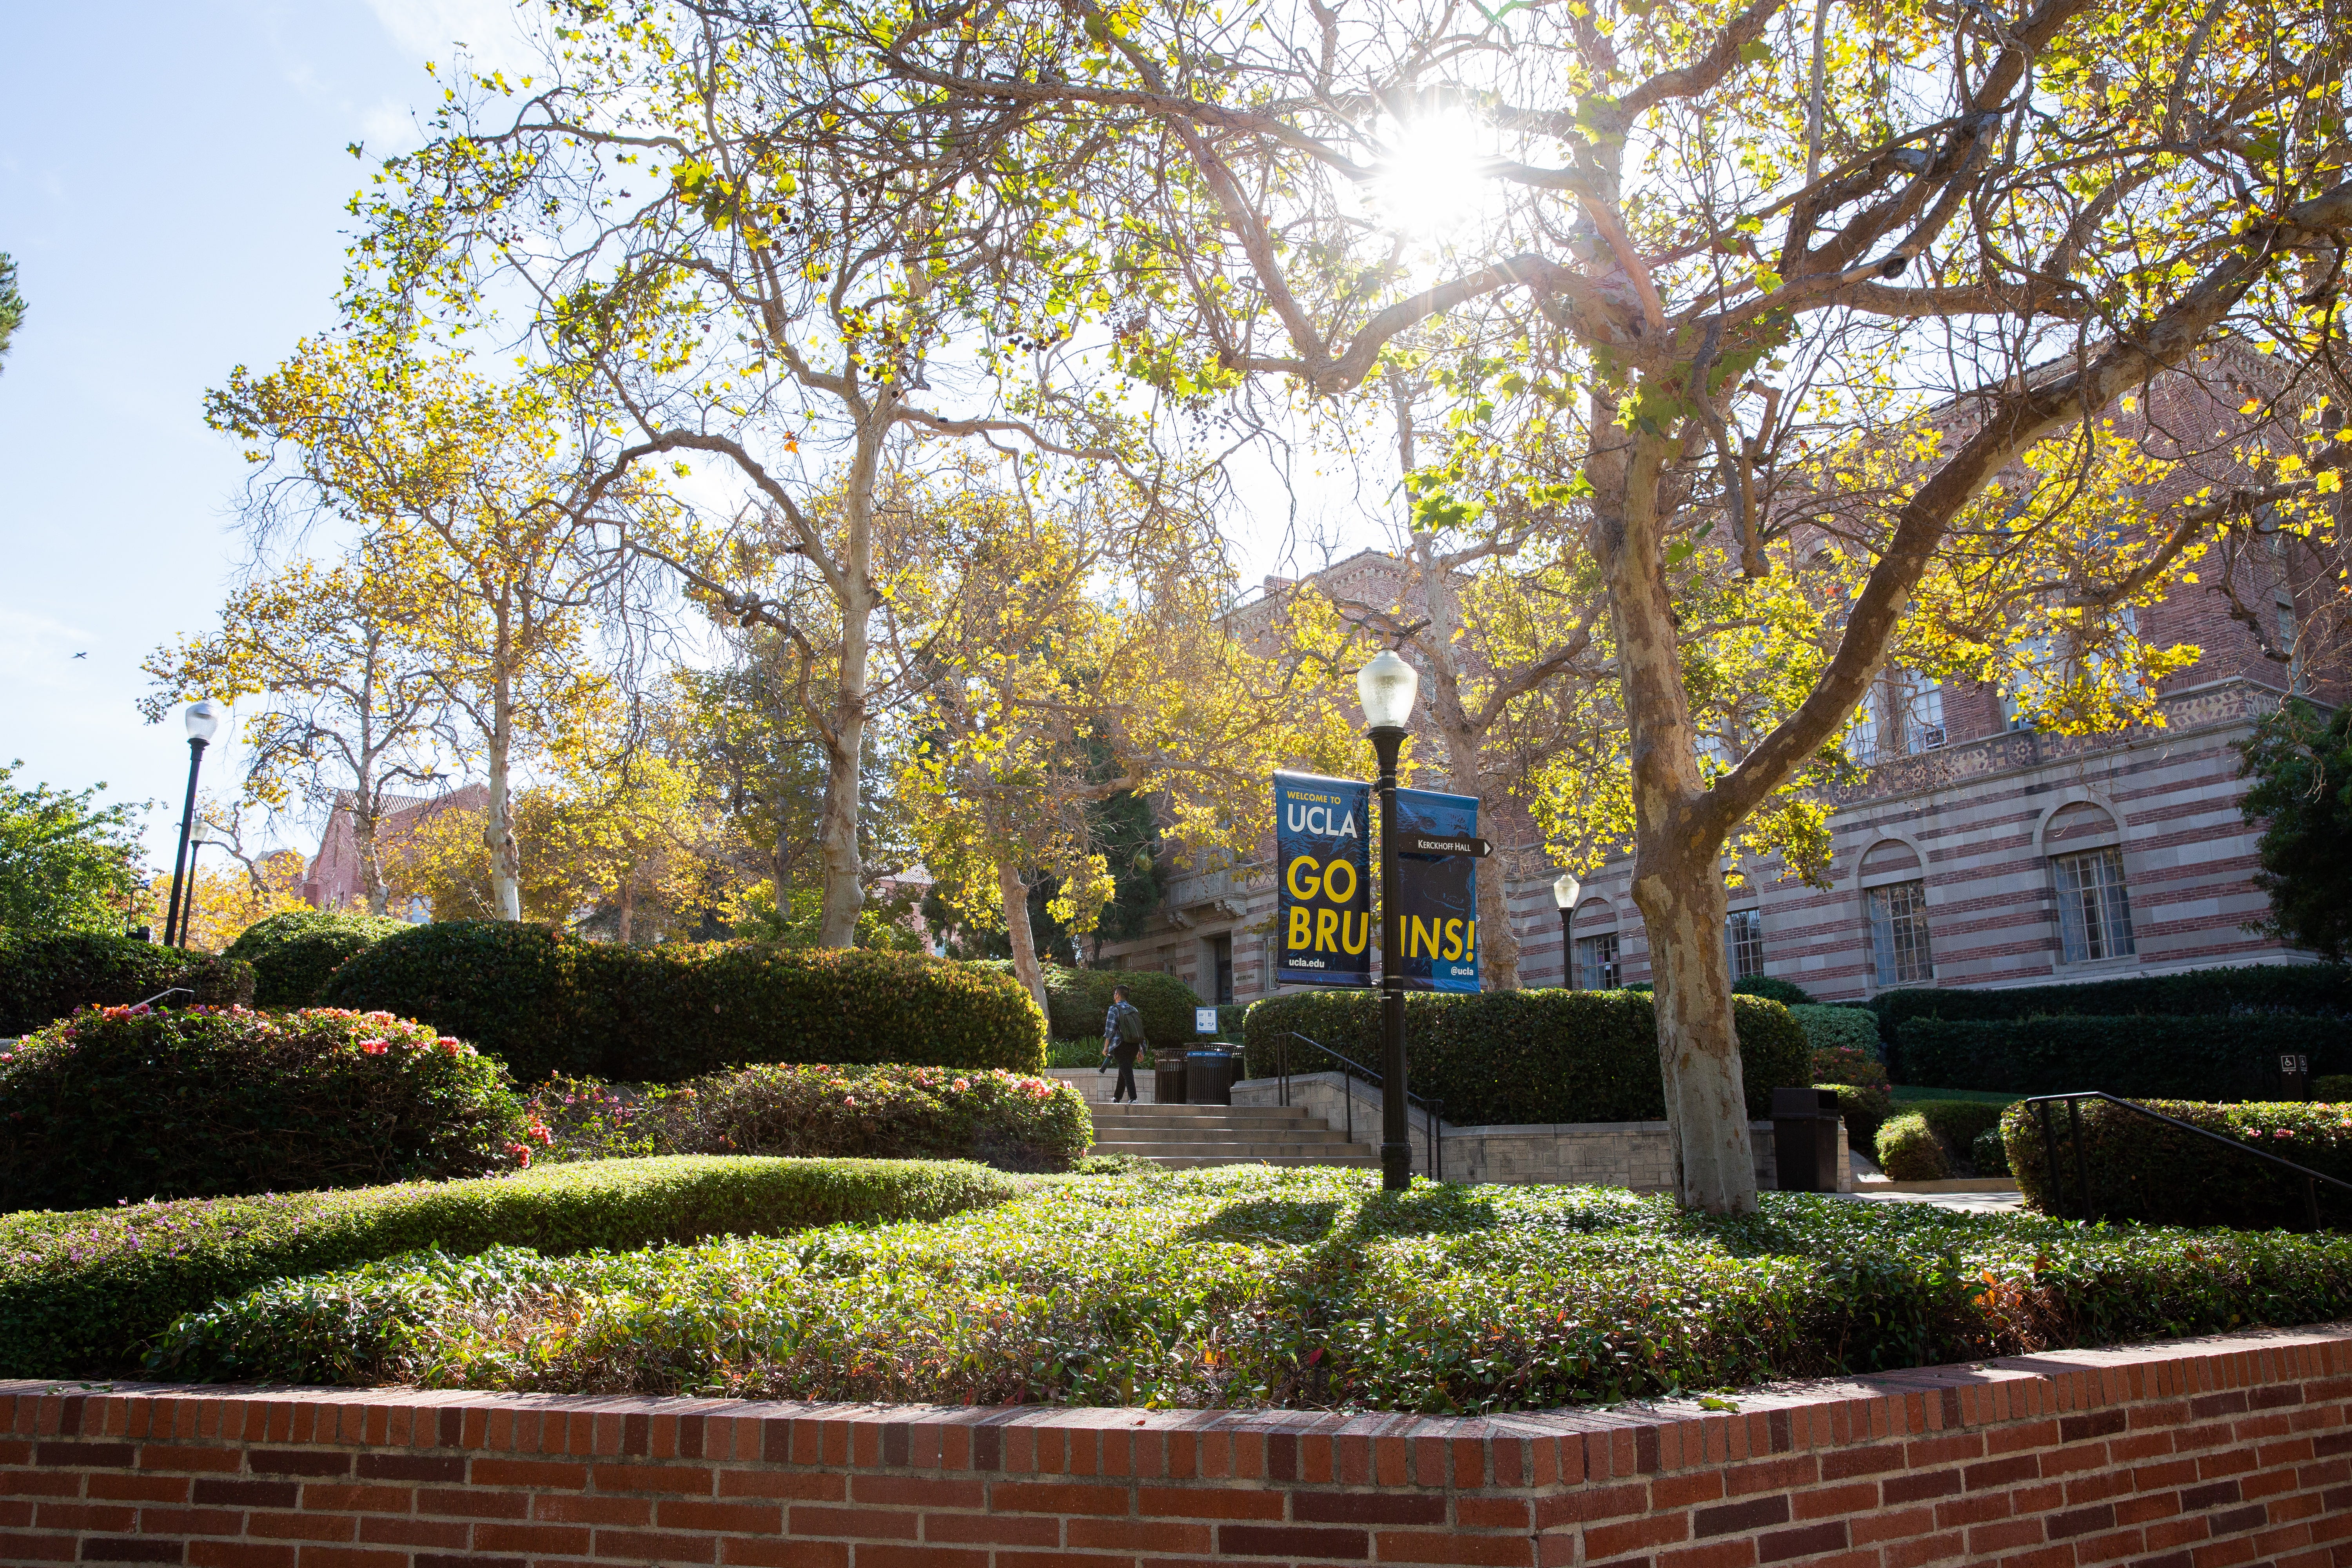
column 1025, row 967
column 497, row 827
column 1682, row 901
column 370, row 855
column 842, row 865
column 628, row 904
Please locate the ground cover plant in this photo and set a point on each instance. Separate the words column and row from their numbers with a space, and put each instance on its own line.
column 1011, row 1120
column 293, row 954
column 45, row 975
column 545, row 1002
column 117, row 1103
column 82, row 1292
column 2144, row 1170
column 1252, row 1287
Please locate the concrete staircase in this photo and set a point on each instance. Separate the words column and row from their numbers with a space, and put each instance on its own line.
column 1184, row 1136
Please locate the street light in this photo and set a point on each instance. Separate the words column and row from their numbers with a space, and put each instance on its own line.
column 1563, row 893
column 202, row 720
column 1388, row 686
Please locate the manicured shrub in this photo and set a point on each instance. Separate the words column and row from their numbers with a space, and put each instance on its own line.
column 1830, row 1027
column 1324, row 1293
column 547, row 1003
column 1077, row 999
column 205, row 1102
column 1909, row 1151
column 999, row 1118
column 2142, row 1170
column 1957, row 1123
column 1787, row 992
column 80, row 1292
column 293, row 954
column 2315, row 988
column 1989, row 1154
column 2333, row 1088
column 1864, row 1110
column 2214, row 1057
column 45, row 975
column 1506, row 1057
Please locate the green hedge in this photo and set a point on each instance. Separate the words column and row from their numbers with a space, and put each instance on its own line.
column 293, row 954
column 2316, row 988
column 1865, row 1109
column 206, row 1102
column 2142, row 1170
column 2233, row 1058
column 1513, row 1057
column 1829, row 1026
column 1077, row 999
column 1787, row 992
column 547, row 1003
column 80, row 1292
column 1951, row 1126
column 1909, row 1151
column 44, row 976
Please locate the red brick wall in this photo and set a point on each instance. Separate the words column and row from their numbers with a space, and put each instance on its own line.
column 2200, row 1453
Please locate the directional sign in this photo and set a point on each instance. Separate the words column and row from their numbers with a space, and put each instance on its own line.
column 1410, row 843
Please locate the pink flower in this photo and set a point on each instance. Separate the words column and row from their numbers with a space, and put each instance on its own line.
column 2284, row 1132
column 962, row 1084
column 451, row 1044
column 374, row 1048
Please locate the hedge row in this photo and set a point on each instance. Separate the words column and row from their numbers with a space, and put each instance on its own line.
column 1513, row 1057
column 80, row 1292
column 1830, row 1027
column 1926, row 1140
column 45, row 975
column 204, row 1103
column 1077, row 999
column 2315, row 988
column 2142, row 1170
column 545, row 1002
column 2195, row 1058
column 293, row 954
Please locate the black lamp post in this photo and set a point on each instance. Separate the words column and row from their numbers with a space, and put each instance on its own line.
column 1563, row 893
column 203, row 719
column 1388, row 686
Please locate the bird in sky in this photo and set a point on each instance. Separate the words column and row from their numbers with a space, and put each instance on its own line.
column 81, row 655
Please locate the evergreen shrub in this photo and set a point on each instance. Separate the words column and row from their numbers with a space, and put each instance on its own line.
column 204, row 1103
column 1863, row 1109
column 80, row 1292
column 1077, row 999
column 45, row 975
column 2315, row 988
column 1865, row 1097
column 2212, row 1057
column 1787, row 992
column 1830, row 1027
column 1989, row 1155
column 1909, row 1151
column 293, row 954
column 2142, row 1170
column 1513, row 1057
column 544, row 1002
column 2334, row 1088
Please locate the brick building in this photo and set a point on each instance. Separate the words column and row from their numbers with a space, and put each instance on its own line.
column 1976, row 853
column 333, row 879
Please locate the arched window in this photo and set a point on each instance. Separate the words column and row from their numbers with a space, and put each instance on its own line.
column 1596, row 946
column 2086, row 864
column 1894, row 905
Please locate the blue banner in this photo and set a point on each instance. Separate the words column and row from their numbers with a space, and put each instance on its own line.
column 1437, row 895
column 1322, row 863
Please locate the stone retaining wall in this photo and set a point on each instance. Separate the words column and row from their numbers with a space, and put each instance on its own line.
column 2190, row 1454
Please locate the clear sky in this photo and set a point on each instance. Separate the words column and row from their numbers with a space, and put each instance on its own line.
column 171, row 187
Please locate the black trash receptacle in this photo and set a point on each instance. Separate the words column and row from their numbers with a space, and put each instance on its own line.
column 1805, row 1139
column 1167, row 1077
column 1209, row 1076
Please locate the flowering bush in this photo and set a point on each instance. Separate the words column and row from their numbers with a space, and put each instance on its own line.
column 2146, row 1170
column 45, row 975
column 1003, row 1119
column 117, row 1103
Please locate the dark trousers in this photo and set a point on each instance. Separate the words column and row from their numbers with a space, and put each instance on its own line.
column 1125, row 1088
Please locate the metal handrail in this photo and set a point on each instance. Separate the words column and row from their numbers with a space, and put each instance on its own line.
column 1430, row 1140
column 2042, row 1102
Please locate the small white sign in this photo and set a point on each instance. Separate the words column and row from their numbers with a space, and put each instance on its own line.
column 1204, row 1021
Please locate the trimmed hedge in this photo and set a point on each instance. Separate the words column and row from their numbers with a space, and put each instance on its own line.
column 1864, row 1110
column 80, row 1292
column 1510, row 1056
column 2317, row 988
column 293, row 954
column 117, row 1105
column 45, row 975
column 999, row 1118
column 1909, row 1151
column 2204, row 1058
column 1787, row 992
column 547, row 1003
column 1829, row 1026
column 1077, row 999
column 2142, row 1170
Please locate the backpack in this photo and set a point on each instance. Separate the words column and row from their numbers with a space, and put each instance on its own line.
column 1130, row 1023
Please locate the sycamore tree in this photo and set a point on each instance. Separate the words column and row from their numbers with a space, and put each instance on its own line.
column 1845, row 301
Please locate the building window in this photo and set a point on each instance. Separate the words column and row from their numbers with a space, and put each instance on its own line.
column 2093, row 911
column 1898, row 933
column 1596, row 961
column 1743, row 942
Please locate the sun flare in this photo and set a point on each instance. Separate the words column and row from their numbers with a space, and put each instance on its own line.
column 1431, row 180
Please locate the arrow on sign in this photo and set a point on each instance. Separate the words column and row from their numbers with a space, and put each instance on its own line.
column 1423, row 844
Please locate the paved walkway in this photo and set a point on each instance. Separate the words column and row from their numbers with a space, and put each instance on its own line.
column 1968, row 1203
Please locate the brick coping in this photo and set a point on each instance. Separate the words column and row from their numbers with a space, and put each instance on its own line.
column 1517, row 1449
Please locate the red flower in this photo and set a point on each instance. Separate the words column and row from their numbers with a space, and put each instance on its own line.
column 372, row 1047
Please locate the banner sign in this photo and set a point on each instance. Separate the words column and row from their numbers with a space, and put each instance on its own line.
column 1438, row 894
column 1322, row 829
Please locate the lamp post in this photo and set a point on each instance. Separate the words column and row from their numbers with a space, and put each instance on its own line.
column 1388, row 686
column 1563, row 893
column 203, row 719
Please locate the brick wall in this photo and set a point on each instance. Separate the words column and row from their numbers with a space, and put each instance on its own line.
column 2200, row 1453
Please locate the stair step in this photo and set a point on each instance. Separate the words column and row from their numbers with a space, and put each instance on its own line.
column 1234, row 1151
column 1201, row 1162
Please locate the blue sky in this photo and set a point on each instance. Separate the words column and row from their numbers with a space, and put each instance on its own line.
column 172, row 185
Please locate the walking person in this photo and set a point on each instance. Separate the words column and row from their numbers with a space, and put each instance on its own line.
column 1123, row 1041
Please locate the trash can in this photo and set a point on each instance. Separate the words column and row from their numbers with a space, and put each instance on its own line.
column 1805, row 1136
column 1168, row 1079
column 1209, row 1076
